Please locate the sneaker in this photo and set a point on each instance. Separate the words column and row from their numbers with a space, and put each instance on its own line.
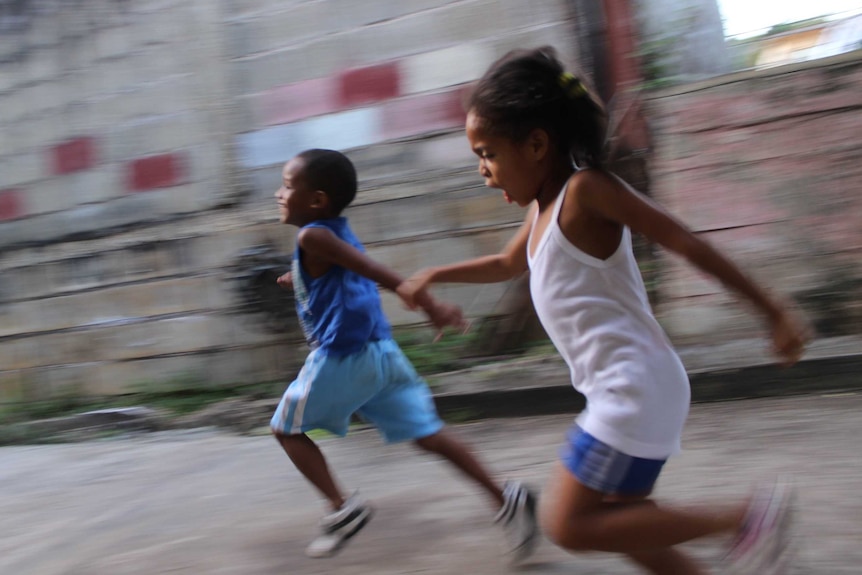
column 762, row 545
column 338, row 527
column 518, row 519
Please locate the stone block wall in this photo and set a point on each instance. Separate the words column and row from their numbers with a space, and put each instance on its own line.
column 767, row 166
column 143, row 142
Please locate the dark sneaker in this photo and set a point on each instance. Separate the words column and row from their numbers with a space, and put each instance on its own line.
column 517, row 516
column 338, row 527
column 762, row 545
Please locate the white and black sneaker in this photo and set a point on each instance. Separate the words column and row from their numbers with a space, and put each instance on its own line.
column 518, row 519
column 338, row 527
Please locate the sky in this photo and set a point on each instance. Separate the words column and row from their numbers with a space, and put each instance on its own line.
column 748, row 17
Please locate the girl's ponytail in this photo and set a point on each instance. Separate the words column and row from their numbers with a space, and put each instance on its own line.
column 528, row 89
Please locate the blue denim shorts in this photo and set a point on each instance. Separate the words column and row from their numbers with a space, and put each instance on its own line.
column 378, row 383
column 601, row 467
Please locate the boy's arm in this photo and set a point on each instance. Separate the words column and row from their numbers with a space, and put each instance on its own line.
column 324, row 246
column 509, row 263
column 607, row 198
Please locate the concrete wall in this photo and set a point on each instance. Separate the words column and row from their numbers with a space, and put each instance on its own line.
column 142, row 143
column 767, row 166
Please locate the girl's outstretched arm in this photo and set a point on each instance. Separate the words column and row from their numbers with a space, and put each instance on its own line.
column 509, row 263
column 604, row 196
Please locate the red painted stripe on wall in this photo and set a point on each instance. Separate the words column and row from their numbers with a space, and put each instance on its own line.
column 367, row 85
column 73, row 155
column 11, row 204
column 161, row 171
column 422, row 114
column 297, row 101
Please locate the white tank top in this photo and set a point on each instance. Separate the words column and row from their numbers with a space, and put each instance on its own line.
column 598, row 316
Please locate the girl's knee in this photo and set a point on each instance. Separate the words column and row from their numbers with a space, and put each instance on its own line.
column 571, row 532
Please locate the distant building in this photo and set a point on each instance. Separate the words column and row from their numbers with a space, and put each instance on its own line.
column 807, row 42
column 838, row 37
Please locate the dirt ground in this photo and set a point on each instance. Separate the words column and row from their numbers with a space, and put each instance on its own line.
column 195, row 502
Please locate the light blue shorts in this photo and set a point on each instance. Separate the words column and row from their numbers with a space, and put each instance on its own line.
column 378, row 383
column 599, row 466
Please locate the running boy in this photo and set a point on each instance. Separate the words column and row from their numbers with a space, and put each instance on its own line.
column 527, row 121
column 354, row 365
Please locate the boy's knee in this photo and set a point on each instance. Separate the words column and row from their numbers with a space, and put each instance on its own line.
column 281, row 436
column 430, row 442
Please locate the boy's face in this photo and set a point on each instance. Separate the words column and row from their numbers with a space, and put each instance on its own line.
column 505, row 164
column 298, row 203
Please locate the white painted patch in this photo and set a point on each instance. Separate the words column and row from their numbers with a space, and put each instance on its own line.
column 446, row 67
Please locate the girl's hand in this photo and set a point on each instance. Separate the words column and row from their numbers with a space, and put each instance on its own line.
column 443, row 315
column 285, row 281
column 789, row 337
column 412, row 287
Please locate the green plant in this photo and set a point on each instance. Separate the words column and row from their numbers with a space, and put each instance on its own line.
column 449, row 353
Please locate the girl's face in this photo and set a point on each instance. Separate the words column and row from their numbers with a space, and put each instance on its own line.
column 505, row 165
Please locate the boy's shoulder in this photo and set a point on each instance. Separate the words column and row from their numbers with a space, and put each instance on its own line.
column 337, row 222
column 338, row 226
column 329, row 234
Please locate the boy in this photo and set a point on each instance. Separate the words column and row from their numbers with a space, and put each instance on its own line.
column 354, row 365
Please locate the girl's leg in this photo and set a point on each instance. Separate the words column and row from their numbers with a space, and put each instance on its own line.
column 666, row 562
column 309, row 460
column 660, row 561
column 579, row 518
column 449, row 447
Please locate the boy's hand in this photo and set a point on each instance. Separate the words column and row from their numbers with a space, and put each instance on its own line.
column 410, row 288
column 789, row 337
column 285, row 281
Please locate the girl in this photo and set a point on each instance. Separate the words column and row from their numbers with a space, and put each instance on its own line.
column 527, row 121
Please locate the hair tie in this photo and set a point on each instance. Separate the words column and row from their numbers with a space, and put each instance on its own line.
column 571, row 85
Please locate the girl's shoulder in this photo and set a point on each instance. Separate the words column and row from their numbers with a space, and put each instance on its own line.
column 590, row 186
column 585, row 217
column 593, row 179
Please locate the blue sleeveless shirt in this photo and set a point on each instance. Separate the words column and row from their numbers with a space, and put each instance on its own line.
column 339, row 311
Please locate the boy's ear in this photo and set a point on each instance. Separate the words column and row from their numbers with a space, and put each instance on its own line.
column 320, row 199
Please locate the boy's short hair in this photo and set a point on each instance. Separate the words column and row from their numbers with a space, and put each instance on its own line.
column 330, row 172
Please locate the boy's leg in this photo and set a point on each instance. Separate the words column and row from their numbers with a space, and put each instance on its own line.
column 451, row 448
column 516, row 504
column 348, row 515
column 404, row 410
column 309, row 460
column 322, row 398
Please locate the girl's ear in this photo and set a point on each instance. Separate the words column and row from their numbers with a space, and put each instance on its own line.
column 538, row 143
